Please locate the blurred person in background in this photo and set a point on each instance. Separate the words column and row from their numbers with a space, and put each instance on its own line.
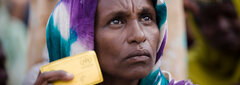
column 13, row 36
column 40, row 10
column 215, row 27
column 37, row 55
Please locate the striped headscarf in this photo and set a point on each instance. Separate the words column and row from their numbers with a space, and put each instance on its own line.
column 70, row 31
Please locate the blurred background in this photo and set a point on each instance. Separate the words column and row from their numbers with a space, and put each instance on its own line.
column 203, row 42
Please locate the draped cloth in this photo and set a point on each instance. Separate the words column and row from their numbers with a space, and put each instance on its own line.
column 70, row 31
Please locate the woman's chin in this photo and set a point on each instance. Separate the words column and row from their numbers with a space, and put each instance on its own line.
column 137, row 72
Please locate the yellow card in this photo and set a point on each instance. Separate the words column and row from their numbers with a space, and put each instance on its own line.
column 84, row 67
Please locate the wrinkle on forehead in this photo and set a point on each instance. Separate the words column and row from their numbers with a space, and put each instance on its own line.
column 134, row 5
column 131, row 5
column 126, row 4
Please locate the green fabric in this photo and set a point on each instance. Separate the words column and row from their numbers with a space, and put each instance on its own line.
column 13, row 37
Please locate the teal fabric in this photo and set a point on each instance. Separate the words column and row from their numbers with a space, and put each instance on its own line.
column 155, row 78
column 161, row 11
column 62, row 47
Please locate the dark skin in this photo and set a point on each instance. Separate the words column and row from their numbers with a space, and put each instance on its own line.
column 126, row 42
column 130, row 31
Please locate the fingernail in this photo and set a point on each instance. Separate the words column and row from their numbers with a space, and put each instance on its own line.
column 69, row 75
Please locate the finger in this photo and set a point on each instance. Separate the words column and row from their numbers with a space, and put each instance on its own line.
column 56, row 75
column 52, row 76
column 63, row 76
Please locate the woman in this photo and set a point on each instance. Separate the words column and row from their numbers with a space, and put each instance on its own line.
column 128, row 37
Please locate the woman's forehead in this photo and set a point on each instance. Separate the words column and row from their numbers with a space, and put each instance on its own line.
column 106, row 6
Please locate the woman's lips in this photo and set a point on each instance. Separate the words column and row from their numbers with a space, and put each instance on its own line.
column 138, row 56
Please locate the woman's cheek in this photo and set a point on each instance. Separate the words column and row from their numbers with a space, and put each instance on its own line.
column 153, row 35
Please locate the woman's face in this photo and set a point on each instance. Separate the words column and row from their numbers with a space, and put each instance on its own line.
column 127, row 37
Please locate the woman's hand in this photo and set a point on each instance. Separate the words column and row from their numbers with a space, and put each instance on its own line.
column 48, row 77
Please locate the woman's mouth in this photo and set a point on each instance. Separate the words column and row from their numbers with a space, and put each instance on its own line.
column 138, row 56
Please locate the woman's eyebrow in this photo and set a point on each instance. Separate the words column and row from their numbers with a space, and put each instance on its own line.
column 146, row 10
column 119, row 13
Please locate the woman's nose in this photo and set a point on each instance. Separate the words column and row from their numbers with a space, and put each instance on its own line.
column 136, row 33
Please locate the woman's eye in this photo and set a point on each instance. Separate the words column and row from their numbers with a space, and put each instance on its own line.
column 146, row 18
column 116, row 21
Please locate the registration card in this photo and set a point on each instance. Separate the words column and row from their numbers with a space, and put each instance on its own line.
column 84, row 67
